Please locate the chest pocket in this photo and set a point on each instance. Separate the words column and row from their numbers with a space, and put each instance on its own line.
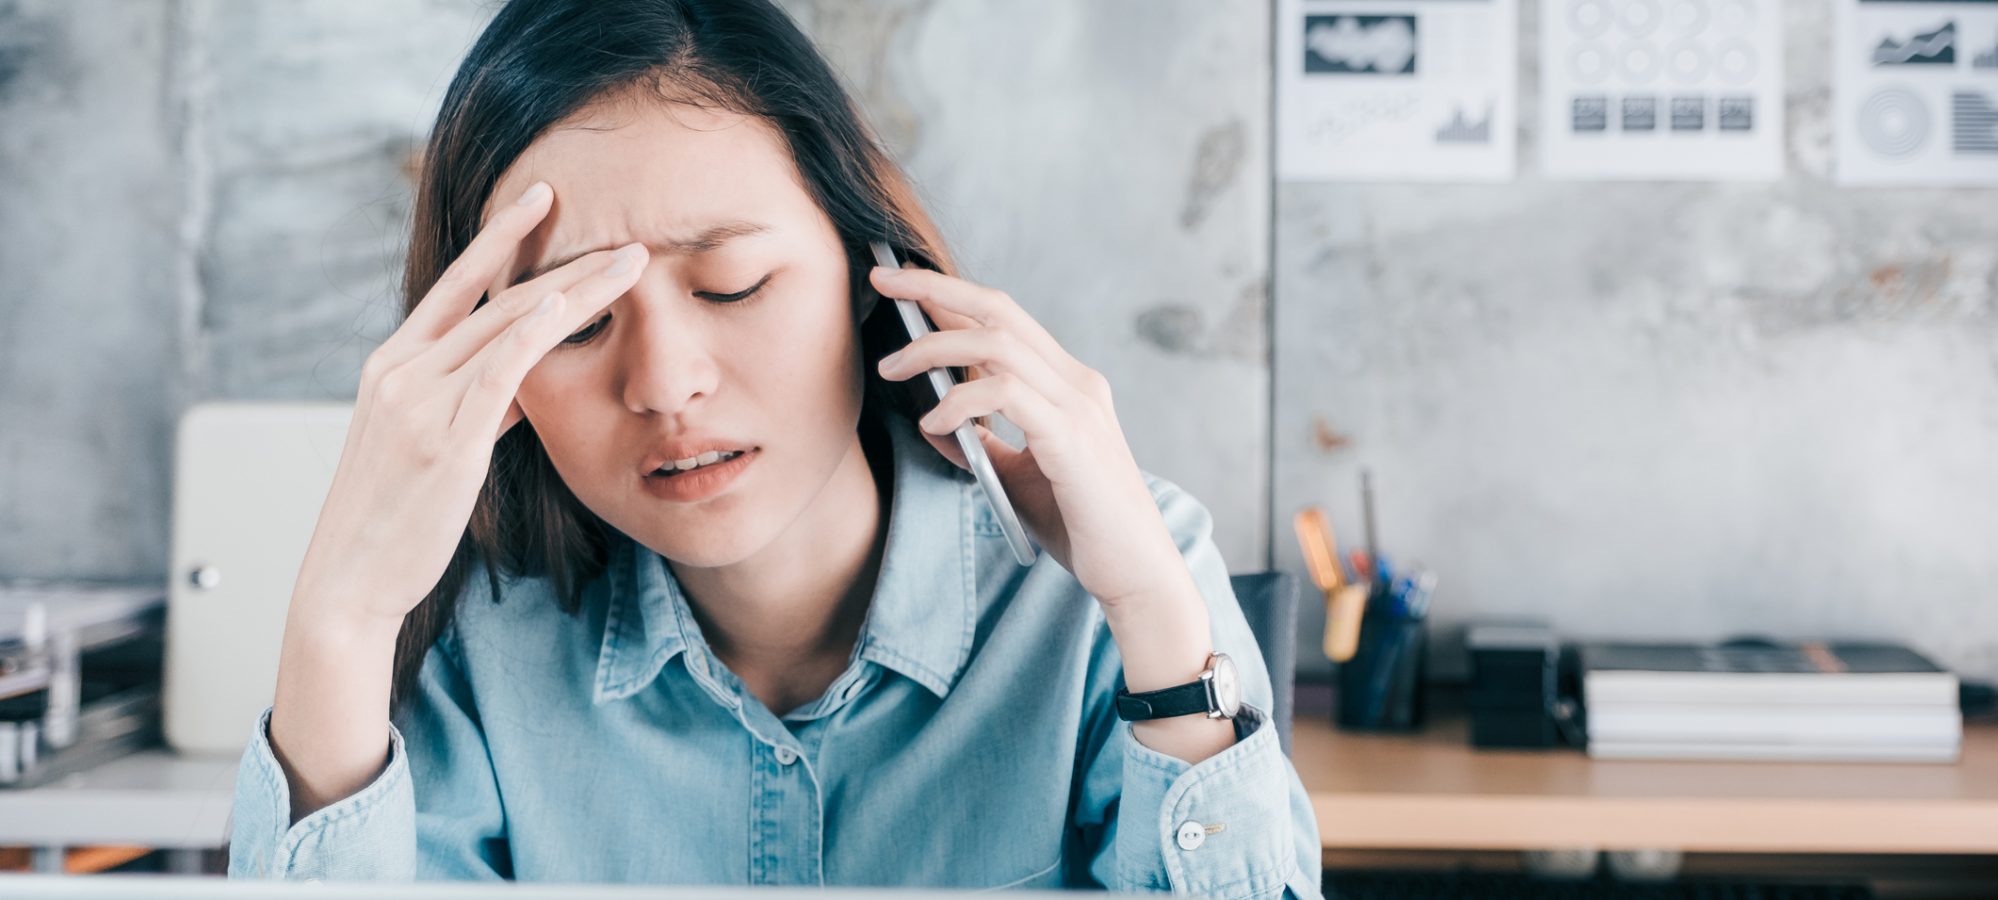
column 985, row 810
column 984, row 521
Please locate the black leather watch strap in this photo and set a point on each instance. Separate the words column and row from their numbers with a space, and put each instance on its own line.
column 1181, row 700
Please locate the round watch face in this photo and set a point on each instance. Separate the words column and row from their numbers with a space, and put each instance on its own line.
column 1226, row 685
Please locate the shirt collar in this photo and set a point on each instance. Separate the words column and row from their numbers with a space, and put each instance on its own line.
column 919, row 621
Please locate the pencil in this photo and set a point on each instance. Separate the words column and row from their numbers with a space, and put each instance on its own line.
column 1344, row 601
column 1321, row 550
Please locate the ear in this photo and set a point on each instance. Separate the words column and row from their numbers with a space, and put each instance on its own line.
column 865, row 307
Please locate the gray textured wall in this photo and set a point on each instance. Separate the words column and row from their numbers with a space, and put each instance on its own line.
column 204, row 199
column 90, row 259
column 1657, row 409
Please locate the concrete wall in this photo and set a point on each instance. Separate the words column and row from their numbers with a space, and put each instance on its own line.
column 203, row 200
column 90, row 260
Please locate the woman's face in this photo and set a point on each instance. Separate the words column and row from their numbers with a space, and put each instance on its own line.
column 719, row 202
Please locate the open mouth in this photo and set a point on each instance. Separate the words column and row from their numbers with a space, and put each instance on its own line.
column 703, row 462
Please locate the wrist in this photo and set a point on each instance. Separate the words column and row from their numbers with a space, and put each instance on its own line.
column 1191, row 737
column 327, row 619
column 1163, row 638
column 330, row 710
column 327, row 651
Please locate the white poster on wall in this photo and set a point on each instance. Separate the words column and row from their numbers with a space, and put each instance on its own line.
column 1916, row 91
column 1661, row 89
column 1396, row 90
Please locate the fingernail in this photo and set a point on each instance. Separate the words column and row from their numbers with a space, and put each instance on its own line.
column 533, row 194
column 887, row 272
column 888, row 362
column 625, row 259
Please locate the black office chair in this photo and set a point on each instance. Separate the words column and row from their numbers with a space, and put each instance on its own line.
column 1269, row 602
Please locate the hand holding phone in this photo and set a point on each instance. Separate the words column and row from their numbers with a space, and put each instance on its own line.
column 941, row 381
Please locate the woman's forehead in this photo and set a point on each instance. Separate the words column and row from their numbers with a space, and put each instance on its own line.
column 656, row 157
column 653, row 172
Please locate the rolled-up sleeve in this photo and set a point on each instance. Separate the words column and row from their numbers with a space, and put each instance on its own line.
column 388, row 830
column 369, row 834
column 1228, row 826
column 1238, row 824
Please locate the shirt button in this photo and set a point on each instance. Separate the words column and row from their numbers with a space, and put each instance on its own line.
column 786, row 756
column 1191, row 835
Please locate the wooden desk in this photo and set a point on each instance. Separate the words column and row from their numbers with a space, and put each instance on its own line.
column 1432, row 791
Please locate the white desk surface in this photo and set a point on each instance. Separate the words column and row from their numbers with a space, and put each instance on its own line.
column 155, row 798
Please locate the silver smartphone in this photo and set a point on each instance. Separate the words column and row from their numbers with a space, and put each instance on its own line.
column 918, row 325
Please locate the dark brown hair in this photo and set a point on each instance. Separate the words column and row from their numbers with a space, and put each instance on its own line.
column 541, row 61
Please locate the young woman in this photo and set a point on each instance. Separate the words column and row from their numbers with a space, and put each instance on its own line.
column 642, row 564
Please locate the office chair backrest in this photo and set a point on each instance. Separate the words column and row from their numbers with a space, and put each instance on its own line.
column 1269, row 602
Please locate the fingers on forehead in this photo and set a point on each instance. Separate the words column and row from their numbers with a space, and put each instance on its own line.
column 568, row 275
column 499, row 237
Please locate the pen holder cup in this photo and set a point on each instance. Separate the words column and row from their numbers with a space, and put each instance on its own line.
column 1380, row 688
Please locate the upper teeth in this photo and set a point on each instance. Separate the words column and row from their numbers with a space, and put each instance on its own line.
column 709, row 457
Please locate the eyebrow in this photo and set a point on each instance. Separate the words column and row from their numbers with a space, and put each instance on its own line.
column 707, row 239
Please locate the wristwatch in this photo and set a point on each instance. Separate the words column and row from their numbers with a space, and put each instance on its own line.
column 1217, row 693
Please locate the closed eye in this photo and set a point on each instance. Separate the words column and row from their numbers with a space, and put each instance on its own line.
column 738, row 296
column 590, row 331
column 587, row 332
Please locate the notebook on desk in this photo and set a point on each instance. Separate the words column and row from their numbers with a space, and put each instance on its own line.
column 1807, row 702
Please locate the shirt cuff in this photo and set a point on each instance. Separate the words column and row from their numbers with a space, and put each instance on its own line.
column 1219, row 828
column 370, row 834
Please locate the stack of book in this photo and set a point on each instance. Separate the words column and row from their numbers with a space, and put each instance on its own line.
column 1807, row 702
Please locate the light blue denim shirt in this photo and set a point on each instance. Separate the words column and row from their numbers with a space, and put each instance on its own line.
column 970, row 742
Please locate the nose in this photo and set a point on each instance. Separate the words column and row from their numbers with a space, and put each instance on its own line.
column 666, row 365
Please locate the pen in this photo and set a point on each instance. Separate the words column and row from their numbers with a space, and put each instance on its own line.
column 1399, row 593
column 1367, row 512
column 1425, row 585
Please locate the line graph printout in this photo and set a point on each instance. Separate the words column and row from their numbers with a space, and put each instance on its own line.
column 1661, row 89
column 1396, row 90
column 1916, row 91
